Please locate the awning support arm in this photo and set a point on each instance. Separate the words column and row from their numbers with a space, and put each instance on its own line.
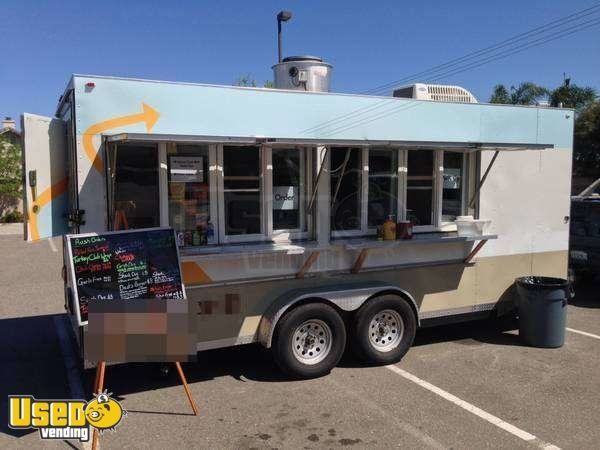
column 339, row 183
column 483, row 178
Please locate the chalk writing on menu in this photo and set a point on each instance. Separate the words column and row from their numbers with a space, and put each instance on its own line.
column 128, row 265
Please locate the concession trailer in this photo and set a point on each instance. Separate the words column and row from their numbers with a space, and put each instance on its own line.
column 278, row 197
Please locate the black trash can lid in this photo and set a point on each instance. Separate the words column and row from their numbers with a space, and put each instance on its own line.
column 533, row 282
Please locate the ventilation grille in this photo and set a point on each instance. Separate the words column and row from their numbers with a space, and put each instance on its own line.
column 436, row 92
column 443, row 93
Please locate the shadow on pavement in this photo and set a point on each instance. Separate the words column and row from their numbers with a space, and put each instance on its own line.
column 32, row 363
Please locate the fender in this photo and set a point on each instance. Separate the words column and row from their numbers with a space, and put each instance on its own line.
column 347, row 297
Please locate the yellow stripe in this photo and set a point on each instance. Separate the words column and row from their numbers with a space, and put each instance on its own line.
column 148, row 115
column 194, row 274
column 42, row 200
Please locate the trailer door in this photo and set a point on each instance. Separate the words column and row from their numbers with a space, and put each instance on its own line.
column 45, row 198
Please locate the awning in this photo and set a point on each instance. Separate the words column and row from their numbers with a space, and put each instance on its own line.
column 257, row 140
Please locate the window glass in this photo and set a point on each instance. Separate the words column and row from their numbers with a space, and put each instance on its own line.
column 136, row 187
column 419, row 186
column 346, row 176
column 287, row 188
column 383, row 185
column 242, row 190
column 452, row 191
column 189, row 194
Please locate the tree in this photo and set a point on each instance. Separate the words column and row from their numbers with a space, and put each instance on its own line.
column 249, row 81
column 500, row 95
column 245, row 80
column 526, row 93
column 586, row 154
column 586, row 145
column 10, row 175
column 572, row 96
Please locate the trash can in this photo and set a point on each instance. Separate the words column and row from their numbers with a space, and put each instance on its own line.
column 543, row 310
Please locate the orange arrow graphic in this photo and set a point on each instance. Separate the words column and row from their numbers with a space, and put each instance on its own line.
column 42, row 200
column 148, row 115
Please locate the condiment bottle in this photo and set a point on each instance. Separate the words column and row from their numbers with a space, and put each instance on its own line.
column 389, row 229
column 404, row 229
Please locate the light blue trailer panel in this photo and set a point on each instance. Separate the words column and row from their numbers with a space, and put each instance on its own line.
column 229, row 111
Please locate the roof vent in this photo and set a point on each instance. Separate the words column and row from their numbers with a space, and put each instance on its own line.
column 436, row 92
column 303, row 73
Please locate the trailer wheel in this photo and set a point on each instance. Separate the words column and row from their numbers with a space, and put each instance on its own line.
column 309, row 340
column 384, row 329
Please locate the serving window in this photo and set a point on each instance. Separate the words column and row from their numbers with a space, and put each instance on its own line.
column 219, row 194
column 242, row 191
column 288, row 190
column 457, row 184
column 383, row 186
column 346, row 179
column 420, row 187
column 189, row 194
column 369, row 185
column 134, row 186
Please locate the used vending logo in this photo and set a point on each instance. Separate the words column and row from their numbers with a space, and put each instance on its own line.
column 64, row 419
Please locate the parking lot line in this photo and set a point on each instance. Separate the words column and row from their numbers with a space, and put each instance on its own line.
column 522, row 434
column 52, row 245
column 584, row 333
column 415, row 432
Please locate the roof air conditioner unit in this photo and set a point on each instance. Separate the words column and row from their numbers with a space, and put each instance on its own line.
column 435, row 92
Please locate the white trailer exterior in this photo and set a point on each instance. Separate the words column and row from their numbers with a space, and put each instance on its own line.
column 249, row 272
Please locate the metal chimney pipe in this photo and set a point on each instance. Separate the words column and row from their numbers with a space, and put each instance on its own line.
column 283, row 16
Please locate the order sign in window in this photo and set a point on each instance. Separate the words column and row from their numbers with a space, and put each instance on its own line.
column 287, row 189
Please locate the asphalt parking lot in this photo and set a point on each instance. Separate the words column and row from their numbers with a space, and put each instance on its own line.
column 462, row 386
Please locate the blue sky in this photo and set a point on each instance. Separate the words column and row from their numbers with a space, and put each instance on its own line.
column 368, row 42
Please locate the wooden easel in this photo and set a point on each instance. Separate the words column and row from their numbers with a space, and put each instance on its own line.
column 99, row 386
column 121, row 223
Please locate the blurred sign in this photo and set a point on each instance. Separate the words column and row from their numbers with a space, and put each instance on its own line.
column 187, row 169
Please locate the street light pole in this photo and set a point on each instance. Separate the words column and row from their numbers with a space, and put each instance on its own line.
column 283, row 16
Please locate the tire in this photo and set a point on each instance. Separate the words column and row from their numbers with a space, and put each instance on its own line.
column 383, row 330
column 309, row 340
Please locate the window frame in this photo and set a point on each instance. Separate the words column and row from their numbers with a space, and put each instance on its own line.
column 364, row 229
column 400, row 185
column 163, row 179
column 437, row 224
column 469, row 166
column 217, row 195
column 223, row 237
column 305, row 229
column 307, row 160
column 364, row 188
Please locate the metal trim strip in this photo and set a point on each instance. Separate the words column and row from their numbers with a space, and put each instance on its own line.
column 426, row 145
column 481, row 307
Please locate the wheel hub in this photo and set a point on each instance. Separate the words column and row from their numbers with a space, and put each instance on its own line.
column 386, row 330
column 311, row 341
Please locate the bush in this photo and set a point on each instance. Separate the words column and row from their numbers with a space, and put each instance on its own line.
column 14, row 216
column 10, row 175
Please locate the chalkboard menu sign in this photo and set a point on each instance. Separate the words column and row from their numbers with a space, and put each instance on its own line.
column 124, row 265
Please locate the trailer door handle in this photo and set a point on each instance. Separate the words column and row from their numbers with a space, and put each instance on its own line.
column 33, row 185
